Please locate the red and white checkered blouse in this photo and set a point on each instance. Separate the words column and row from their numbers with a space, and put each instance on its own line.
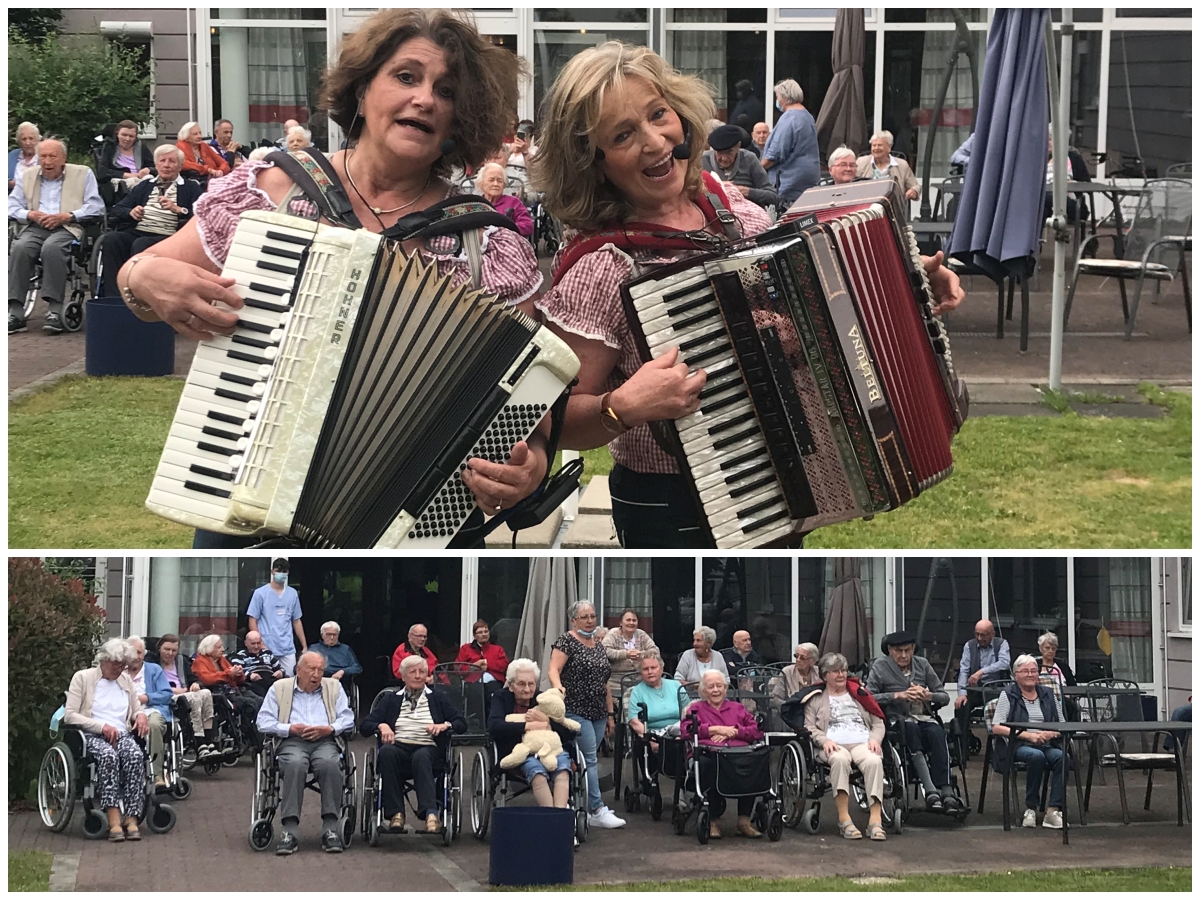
column 510, row 268
column 587, row 302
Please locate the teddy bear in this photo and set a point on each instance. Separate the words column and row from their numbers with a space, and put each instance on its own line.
column 544, row 743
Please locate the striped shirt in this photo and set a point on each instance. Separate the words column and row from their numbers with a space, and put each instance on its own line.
column 410, row 724
column 157, row 219
column 1033, row 707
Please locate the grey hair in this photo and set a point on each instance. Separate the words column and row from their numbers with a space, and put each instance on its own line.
column 136, row 639
column 331, row 624
column 208, row 644
column 217, row 124
column 710, row 636
column 161, row 150
column 837, row 154
column 51, row 139
column 521, row 664
column 573, row 609
column 491, row 165
column 1048, row 638
column 790, row 91
column 884, row 135
column 811, row 649
column 704, row 676
column 187, row 126
column 115, row 650
column 26, row 125
column 260, row 153
column 411, row 662
column 321, row 657
column 833, row 662
column 1023, row 660
column 304, row 131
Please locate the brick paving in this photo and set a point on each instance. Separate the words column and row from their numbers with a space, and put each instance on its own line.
column 208, row 849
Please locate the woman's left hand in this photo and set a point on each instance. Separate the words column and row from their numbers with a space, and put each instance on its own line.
column 141, row 725
column 499, row 486
column 873, row 746
column 947, row 290
column 609, row 726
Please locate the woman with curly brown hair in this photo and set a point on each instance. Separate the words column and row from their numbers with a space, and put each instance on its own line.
column 416, row 91
column 620, row 161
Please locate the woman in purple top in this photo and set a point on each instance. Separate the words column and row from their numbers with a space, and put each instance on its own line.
column 491, row 183
column 721, row 723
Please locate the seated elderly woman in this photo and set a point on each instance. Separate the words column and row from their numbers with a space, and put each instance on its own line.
column 701, row 658
column 654, row 705
column 125, row 159
column 200, row 160
column 490, row 183
column 880, row 163
column 414, row 727
column 519, row 697
column 846, row 726
column 24, row 155
column 802, row 673
column 340, row 661
column 297, row 138
column 154, row 693
column 103, row 702
column 214, row 670
column 721, row 723
column 1029, row 701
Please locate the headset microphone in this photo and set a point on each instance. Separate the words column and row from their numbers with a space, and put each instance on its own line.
column 684, row 150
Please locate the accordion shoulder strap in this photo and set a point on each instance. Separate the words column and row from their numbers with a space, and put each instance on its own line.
column 313, row 174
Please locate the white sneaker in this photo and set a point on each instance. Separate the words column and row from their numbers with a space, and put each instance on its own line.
column 1030, row 820
column 604, row 818
column 1053, row 819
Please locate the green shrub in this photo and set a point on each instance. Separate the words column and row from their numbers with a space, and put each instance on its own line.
column 54, row 627
column 72, row 91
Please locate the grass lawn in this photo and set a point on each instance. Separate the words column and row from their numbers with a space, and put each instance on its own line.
column 29, row 870
column 1047, row 881
column 79, row 473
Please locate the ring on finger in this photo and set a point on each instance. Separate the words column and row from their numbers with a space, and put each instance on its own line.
column 191, row 320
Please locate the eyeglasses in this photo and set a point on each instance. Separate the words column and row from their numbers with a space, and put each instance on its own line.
column 586, row 616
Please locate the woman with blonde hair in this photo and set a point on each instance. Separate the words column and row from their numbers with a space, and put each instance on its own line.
column 620, row 162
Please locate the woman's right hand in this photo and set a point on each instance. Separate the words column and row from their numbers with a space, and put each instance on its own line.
column 661, row 389
column 829, row 748
column 182, row 295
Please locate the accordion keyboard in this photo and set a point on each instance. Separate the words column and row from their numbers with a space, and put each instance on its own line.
column 723, row 442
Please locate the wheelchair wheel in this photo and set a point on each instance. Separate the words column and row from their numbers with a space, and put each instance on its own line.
column 56, row 787
column 811, row 820
column 793, row 775
column 181, row 789
column 370, row 800
column 481, row 795
column 212, row 766
column 678, row 821
column 348, row 825
column 261, row 834
column 702, row 825
column 656, row 803
column 456, row 797
column 95, row 824
column 93, row 267
column 774, row 827
column 628, row 798
column 72, row 317
column 581, row 826
column 161, row 818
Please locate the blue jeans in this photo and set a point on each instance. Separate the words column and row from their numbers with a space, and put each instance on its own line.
column 533, row 766
column 591, row 733
column 1036, row 759
column 1179, row 714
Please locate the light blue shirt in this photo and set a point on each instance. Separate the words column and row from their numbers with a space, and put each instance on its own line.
column 307, row 709
column 50, row 198
column 275, row 615
column 795, row 155
column 993, row 663
column 662, row 705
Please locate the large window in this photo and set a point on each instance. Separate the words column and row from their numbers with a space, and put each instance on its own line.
column 754, row 595
column 1150, row 98
column 816, row 582
column 1113, row 619
column 1028, row 597
column 807, row 56
column 726, row 58
column 503, row 583
column 941, row 602
column 554, row 49
column 209, row 601
column 662, row 592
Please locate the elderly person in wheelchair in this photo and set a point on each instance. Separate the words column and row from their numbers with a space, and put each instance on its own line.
column 414, row 726
column 155, row 695
column 519, row 697
column 103, row 702
column 307, row 713
column 910, row 692
column 847, row 731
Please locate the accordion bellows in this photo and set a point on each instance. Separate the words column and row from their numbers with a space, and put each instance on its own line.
column 356, row 387
column 831, row 390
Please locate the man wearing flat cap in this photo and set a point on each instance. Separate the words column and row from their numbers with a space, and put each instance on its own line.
column 741, row 168
column 907, row 687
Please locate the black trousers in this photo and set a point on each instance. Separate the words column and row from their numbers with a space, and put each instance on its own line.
column 716, row 803
column 930, row 738
column 656, row 511
column 421, row 763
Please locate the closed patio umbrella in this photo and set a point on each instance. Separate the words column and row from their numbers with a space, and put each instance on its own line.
column 845, row 629
column 843, row 118
column 550, row 592
column 999, row 221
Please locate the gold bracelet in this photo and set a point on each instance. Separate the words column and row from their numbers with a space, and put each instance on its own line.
column 131, row 300
column 608, row 417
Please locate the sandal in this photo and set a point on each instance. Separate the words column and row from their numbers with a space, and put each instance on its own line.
column 116, row 836
column 875, row 832
column 849, row 831
column 131, row 830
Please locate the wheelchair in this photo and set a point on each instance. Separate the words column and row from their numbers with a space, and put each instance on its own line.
column 740, row 772
column 268, row 784
column 803, row 780
column 234, row 736
column 83, row 268
column 68, row 776
column 493, row 787
column 912, row 786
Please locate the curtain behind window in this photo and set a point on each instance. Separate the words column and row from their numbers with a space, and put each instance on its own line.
column 702, row 53
column 208, row 602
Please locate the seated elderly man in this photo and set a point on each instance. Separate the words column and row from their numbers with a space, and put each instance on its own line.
column 742, row 656
column 103, row 703
column 48, row 202
column 414, row 727
column 984, row 659
column 906, row 686
column 735, row 165
column 258, row 663
column 418, row 634
column 308, row 712
column 340, row 661
column 153, row 211
column 155, row 695
column 721, row 723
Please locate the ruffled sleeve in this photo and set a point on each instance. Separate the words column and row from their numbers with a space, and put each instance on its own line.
column 510, row 267
column 752, row 217
column 218, row 209
column 587, row 301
